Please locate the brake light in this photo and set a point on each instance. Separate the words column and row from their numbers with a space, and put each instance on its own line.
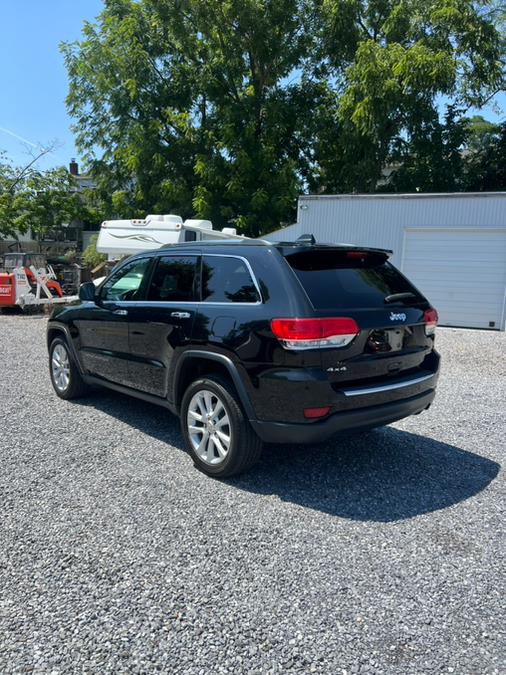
column 430, row 318
column 314, row 333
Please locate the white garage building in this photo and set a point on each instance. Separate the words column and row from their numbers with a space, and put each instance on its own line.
column 452, row 246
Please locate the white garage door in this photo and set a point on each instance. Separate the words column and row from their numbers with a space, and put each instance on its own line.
column 462, row 273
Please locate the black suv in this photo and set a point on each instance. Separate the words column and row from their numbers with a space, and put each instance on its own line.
column 250, row 341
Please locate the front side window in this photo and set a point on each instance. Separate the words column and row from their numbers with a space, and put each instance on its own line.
column 174, row 279
column 125, row 283
column 227, row 279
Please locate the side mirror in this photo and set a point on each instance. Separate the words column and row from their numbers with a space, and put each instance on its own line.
column 87, row 292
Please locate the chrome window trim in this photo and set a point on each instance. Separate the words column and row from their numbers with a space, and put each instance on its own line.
column 252, row 275
column 175, row 303
column 193, row 303
column 386, row 387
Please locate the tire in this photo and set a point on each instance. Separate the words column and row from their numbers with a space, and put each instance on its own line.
column 216, row 458
column 65, row 376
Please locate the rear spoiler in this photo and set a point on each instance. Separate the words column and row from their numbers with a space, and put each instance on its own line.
column 287, row 248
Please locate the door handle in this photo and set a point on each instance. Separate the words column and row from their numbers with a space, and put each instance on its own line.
column 120, row 312
column 180, row 315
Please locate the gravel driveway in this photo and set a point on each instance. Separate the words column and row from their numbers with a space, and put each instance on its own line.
column 381, row 553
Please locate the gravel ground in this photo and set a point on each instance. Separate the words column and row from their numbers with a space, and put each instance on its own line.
column 376, row 554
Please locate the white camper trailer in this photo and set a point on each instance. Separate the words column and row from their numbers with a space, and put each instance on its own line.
column 119, row 238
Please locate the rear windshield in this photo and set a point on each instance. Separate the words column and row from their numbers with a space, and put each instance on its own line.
column 337, row 279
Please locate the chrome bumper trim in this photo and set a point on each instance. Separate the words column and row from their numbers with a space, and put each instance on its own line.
column 387, row 387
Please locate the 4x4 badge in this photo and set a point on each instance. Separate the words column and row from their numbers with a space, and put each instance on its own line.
column 337, row 369
column 397, row 317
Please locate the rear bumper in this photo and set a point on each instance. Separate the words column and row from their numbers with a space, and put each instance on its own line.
column 281, row 394
column 347, row 420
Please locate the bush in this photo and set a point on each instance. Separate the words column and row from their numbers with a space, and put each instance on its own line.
column 91, row 257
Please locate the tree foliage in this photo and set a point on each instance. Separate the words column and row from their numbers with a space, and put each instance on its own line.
column 485, row 165
column 228, row 108
column 40, row 201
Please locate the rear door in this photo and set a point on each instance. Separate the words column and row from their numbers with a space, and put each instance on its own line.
column 161, row 324
column 387, row 308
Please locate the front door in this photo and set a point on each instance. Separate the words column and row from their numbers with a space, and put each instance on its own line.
column 161, row 324
column 103, row 327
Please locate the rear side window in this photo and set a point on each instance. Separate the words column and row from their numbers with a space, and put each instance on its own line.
column 227, row 279
column 174, row 279
column 337, row 279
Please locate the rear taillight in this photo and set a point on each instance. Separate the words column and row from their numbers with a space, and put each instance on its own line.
column 430, row 319
column 314, row 333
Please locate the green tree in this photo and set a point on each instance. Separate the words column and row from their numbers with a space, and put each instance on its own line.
column 49, row 201
column 485, row 168
column 480, row 133
column 192, row 106
column 392, row 61
column 42, row 201
column 12, row 199
column 433, row 159
column 228, row 108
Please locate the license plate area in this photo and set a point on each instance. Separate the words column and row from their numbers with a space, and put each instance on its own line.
column 388, row 340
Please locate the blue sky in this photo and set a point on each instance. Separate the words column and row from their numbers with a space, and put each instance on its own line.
column 33, row 81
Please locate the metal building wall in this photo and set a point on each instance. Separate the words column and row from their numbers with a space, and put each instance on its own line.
column 380, row 220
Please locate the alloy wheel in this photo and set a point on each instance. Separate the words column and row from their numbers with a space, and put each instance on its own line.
column 60, row 368
column 209, row 427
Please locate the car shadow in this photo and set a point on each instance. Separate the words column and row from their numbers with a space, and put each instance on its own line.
column 382, row 475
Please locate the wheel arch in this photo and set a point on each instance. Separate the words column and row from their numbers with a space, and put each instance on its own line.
column 195, row 363
column 57, row 329
column 54, row 332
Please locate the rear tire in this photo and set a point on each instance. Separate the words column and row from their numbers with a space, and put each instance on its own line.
column 65, row 376
column 218, row 436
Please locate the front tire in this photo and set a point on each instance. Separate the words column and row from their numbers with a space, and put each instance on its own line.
column 65, row 376
column 217, row 434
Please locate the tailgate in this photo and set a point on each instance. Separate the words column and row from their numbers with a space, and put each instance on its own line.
column 387, row 308
column 388, row 344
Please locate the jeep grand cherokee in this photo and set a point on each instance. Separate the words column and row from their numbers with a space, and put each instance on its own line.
column 250, row 341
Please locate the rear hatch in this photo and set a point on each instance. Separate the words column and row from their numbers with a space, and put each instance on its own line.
column 389, row 312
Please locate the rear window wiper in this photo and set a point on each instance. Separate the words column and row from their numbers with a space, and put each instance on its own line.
column 399, row 296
